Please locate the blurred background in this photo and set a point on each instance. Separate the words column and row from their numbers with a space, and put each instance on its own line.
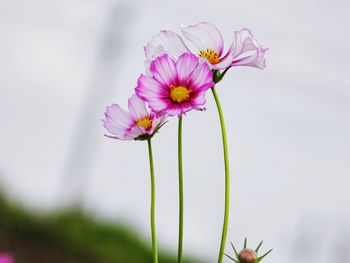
column 69, row 194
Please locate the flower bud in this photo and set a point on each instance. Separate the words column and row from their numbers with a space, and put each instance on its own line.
column 247, row 256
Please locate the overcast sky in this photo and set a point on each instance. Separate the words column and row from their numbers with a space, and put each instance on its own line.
column 62, row 62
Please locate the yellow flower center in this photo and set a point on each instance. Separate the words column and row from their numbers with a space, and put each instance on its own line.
column 144, row 122
column 210, row 55
column 179, row 94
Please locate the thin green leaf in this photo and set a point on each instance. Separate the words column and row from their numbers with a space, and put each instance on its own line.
column 245, row 243
column 235, row 260
column 234, row 249
column 261, row 258
column 257, row 249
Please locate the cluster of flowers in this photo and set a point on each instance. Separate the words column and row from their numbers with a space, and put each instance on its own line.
column 176, row 81
column 177, row 78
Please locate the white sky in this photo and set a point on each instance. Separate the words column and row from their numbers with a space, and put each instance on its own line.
column 62, row 62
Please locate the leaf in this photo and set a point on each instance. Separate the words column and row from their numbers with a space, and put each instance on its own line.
column 245, row 243
column 235, row 260
column 257, row 249
column 261, row 258
column 234, row 249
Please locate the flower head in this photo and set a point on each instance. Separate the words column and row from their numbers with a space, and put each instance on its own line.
column 136, row 124
column 244, row 50
column 175, row 87
column 6, row 258
column 247, row 255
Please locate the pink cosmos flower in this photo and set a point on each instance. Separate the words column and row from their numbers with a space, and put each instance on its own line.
column 175, row 87
column 244, row 50
column 6, row 258
column 137, row 123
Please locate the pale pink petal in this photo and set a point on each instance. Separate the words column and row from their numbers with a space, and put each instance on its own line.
column 179, row 109
column 137, row 108
column 202, row 75
column 117, row 121
column 166, row 42
column 113, row 129
column 156, row 122
column 236, row 49
column 247, row 51
column 256, row 60
column 226, row 60
column 204, row 87
column 153, row 92
column 204, row 35
column 184, row 66
column 117, row 115
column 199, row 98
column 121, row 138
column 147, row 68
column 153, row 50
column 148, row 87
column 135, row 132
column 164, row 70
column 187, row 106
column 247, row 39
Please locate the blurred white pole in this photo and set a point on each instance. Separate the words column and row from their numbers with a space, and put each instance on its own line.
column 84, row 143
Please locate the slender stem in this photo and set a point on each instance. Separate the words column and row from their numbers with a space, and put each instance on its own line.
column 153, row 225
column 227, row 177
column 181, row 197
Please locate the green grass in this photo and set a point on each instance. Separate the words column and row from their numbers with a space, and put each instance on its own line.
column 70, row 237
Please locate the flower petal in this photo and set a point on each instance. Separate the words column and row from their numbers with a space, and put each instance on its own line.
column 204, row 35
column 153, row 50
column 117, row 121
column 135, row 132
column 199, row 98
column 164, row 70
column 147, row 67
column 184, row 66
column 226, row 60
column 156, row 122
column 116, row 115
column 153, row 92
column 256, row 60
column 179, row 109
column 137, row 108
column 246, row 50
column 201, row 78
column 166, row 42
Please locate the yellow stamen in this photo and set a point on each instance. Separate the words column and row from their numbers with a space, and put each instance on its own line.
column 144, row 122
column 210, row 55
column 179, row 94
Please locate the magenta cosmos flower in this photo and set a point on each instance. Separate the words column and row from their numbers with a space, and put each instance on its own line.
column 6, row 258
column 136, row 124
column 244, row 50
column 175, row 87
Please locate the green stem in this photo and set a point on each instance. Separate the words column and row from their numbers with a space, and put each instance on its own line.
column 153, row 225
column 181, row 203
column 227, row 177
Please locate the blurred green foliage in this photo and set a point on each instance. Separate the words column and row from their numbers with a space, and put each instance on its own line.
column 70, row 237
